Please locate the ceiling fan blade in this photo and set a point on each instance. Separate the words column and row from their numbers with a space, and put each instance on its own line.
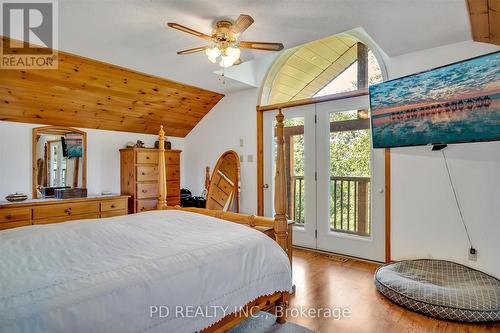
column 189, row 31
column 241, row 24
column 196, row 49
column 261, row 46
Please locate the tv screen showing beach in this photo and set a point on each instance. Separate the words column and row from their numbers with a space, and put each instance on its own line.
column 451, row 104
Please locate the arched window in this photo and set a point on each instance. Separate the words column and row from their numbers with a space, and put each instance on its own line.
column 326, row 66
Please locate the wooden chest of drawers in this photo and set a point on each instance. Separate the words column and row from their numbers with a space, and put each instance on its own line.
column 44, row 211
column 139, row 177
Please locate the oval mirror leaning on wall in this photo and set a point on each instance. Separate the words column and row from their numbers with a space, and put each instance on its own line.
column 224, row 189
column 59, row 160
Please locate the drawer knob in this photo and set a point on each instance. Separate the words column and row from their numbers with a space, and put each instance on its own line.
column 144, row 191
column 143, row 173
column 68, row 211
column 147, row 157
column 112, row 206
column 8, row 217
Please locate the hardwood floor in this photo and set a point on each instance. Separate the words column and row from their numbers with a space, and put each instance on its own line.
column 323, row 282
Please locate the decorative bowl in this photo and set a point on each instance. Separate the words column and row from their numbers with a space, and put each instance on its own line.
column 17, row 197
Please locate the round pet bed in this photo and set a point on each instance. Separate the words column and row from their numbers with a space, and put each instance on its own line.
column 441, row 289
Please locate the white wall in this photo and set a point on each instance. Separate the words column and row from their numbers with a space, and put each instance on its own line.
column 232, row 119
column 103, row 160
column 425, row 219
column 425, row 222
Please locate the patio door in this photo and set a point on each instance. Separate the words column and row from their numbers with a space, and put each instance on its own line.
column 334, row 178
column 350, row 174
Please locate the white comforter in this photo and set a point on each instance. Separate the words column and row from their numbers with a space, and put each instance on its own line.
column 109, row 275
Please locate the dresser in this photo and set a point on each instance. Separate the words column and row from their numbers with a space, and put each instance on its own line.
column 139, row 177
column 43, row 211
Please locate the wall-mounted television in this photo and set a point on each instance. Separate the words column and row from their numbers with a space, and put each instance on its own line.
column 455, row 103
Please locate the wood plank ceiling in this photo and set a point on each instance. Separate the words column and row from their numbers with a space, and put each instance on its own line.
column 91, row 94
column 485, row 20
column 311, row 67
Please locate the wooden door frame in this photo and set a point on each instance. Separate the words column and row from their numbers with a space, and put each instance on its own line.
column 260, row 156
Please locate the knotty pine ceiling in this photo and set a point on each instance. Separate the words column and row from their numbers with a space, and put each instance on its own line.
column 91, row 94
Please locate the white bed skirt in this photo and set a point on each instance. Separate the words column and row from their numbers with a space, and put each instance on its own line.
column 159, row 271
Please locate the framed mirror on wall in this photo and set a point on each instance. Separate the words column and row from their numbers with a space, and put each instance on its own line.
column 59, row 160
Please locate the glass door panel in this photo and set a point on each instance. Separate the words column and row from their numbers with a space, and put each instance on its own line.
column 350, row 172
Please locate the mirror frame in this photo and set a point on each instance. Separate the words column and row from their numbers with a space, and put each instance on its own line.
column 236, row 189
column 55, row 130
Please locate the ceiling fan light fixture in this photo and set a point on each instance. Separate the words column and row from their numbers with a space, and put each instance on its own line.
column 226, row 61
column 225, row 44
column 213, row 53
column 233, row 53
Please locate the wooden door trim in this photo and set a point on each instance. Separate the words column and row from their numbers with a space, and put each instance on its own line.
column 260, row 162
column 314, row 100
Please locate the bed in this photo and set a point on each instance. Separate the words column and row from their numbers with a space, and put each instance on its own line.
column 131, row 267
column 169, row 270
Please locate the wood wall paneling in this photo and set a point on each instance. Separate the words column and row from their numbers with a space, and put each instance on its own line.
column 485, row 20
column 91, row 94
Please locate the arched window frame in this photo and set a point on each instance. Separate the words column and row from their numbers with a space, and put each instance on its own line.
column 358, row 34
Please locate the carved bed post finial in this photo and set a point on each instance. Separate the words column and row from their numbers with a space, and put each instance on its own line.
column 162, row 172
column 280, row 218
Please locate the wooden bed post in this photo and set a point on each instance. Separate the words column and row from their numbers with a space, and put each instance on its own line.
column 162, row 172
column 280, row 219
column 280, row 201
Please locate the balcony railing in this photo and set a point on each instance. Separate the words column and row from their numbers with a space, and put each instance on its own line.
column 349, row 203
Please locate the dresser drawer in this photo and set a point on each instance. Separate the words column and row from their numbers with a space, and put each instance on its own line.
column 110, row 205
column 145, row 157
column 69, row 210
column 15, row 214
column 173, row 188
column 16, row 224
column 145, row 205
column 113, row 213
column 147, row 190
column 147, row 173
column 67, row 218
column 172, row 157
column 173, row 172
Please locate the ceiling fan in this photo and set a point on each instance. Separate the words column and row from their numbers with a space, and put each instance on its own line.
column 224, row 41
